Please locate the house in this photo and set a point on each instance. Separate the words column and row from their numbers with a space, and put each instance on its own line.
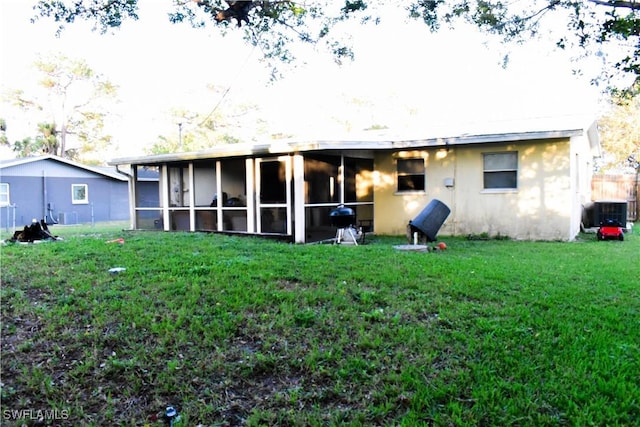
column 525, row 180
column 60, row 190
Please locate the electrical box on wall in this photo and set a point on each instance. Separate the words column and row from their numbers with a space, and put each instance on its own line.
column 448, row 182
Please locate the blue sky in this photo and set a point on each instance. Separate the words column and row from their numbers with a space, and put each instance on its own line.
column 403, row 77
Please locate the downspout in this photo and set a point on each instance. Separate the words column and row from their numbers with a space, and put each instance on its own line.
column 44, row 194
column 122, row 172
column 454, row 200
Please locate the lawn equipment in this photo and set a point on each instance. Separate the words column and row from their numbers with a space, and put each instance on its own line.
column 610, row 229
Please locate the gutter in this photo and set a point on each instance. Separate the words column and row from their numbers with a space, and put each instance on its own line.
column 127, row 174
column 281, row 147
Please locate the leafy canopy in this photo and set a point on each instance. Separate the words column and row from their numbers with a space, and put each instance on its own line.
column 620, row 134
column 275, row 26
column 225, row 124
column 71, row 104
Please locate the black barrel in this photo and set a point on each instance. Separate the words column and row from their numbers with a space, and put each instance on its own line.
column 429, row 221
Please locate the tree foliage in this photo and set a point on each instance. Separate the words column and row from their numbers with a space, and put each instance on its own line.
column 620, row 134
column 275, row 26
column 226, row 123
column 3, row 132
column 69, row 102
column 45, row 142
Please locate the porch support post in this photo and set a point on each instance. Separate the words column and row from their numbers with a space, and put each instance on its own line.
column 133, row 196
column 219, row 194
column 289, row 198
column 192, row 198
column 251, row 196
column 164, row 197
column 298, row 199
column 341, row 178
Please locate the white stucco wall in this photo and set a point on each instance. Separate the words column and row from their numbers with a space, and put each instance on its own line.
column 581, row 176
column 545, row 205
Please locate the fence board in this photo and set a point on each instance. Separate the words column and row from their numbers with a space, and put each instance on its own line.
column 618, row 187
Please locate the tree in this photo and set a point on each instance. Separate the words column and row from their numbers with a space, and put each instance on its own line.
column 275, row 26
column 224, row 124
column 620, row 134
column 69, row 101
column 46, row 142
column 3, row 132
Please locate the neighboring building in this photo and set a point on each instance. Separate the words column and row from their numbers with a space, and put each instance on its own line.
column 61, row 191
column 526, row 180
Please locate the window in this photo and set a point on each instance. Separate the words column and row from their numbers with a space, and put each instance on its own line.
column 411, row 175
column 501, row 170
column 79, row 194
column 4, row 194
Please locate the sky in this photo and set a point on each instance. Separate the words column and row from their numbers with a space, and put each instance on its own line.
column 403, row 77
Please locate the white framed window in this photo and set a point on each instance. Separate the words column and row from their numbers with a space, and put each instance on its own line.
column 500, row 170
column 5, row 200
column 411, row 175
column 79, row 194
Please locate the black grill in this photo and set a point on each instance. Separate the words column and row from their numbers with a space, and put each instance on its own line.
column 342, row 217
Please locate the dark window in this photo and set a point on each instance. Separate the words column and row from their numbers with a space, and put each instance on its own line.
column 500, row 170
column 411, row 175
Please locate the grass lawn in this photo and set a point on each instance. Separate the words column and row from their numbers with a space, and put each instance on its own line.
column 243, row 331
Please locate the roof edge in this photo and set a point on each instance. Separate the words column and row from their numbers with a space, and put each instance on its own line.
column 382, row 143
column 25, row 160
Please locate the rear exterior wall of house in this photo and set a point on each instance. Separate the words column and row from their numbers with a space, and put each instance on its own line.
column 527, row 190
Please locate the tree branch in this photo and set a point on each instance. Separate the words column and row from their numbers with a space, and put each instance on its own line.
column 633, row 5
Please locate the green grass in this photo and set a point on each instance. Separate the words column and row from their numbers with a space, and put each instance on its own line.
column 244, row 331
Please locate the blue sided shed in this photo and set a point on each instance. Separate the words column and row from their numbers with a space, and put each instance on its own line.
column 61, row 191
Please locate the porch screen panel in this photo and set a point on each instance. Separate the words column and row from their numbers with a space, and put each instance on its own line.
column 234, row 194
column 178, row 186
column 358, row 185
column 321, row 177
column 204, row 183
column 147, row 187
column 273, row 220
column 206, row 220
column 148, row 215
column 234, row 182
column 273, row 179
column 149, row 219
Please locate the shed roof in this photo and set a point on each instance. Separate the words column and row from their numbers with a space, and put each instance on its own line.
column 436, row 136
column 109, row 172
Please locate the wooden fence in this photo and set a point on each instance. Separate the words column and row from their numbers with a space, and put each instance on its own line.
column 618, row 187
